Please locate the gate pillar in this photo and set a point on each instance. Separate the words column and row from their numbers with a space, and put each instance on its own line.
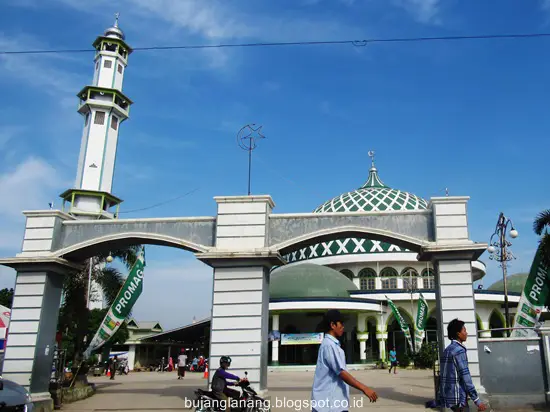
column 31, row 336
column 240, row 302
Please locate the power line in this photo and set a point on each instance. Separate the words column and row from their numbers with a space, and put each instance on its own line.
column 161, row 203
column 356, row 43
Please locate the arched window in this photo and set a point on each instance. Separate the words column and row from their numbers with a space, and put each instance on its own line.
column 389, row 278
column 347, row 273
column 410, row 278
column 428, row 279
column 367, row 278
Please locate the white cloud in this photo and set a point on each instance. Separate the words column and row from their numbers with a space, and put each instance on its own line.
column 8, row 133
column 175, row 291
column 424, row 11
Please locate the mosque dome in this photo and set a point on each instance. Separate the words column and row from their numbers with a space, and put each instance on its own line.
column 115, row 31
column 514, row 283
column 373, row 196
column 308, row 280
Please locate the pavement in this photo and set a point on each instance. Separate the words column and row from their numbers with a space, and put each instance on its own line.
column 287, row 391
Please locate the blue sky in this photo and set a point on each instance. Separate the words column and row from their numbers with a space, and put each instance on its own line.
column 471, row 116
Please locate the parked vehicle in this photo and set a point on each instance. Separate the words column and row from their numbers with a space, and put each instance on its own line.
column 14, row 397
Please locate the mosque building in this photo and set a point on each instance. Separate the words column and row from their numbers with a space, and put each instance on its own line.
column 355, row 275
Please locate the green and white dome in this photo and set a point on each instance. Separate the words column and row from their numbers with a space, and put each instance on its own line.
column 373, row 196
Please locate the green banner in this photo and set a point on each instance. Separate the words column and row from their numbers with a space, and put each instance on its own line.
column 421, row 320
column 401, row 321
column 533, row 298
column 122, row 305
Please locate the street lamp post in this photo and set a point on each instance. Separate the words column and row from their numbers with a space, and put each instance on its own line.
column 499, row 250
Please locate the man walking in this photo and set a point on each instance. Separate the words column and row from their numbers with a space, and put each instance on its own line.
column 182, row 361
column 393, row 360
column 331, row 379
column 455, row 379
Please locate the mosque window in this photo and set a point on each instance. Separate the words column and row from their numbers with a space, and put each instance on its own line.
column 389, row 278
column 367, row 279
column 120, row 68
column 114, row 123
column 428, row 279
column 107, row 64
column 347, row 273
column 99, row 118
column 410, row 278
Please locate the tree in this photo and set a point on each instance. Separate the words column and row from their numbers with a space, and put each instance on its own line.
column 6, row 297
column 541, row 227
column 74, row 315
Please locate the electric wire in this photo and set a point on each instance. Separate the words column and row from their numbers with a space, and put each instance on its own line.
column 161, row 203
column 356, row 43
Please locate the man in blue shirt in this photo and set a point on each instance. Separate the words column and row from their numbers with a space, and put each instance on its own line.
column 330, row 392
column 455, row 379
column 393, row 360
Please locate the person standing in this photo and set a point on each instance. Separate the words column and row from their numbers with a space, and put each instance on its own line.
column 182, row 361
column 455, row 380
column 393, row 360
column 112, row 367
column 332, row 378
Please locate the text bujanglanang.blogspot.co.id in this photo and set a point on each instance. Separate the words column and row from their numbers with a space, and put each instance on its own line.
column 268, row 404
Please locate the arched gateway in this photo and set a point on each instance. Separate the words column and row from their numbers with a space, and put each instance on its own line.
column 242, row 243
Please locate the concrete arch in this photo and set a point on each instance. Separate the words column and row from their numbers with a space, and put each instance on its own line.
column 121, row 240
column 358, row 232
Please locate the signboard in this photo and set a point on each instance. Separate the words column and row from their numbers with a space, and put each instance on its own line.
column 532, row 299
column 302, row 338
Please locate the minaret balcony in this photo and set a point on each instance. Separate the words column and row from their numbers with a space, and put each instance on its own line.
column 104, row 97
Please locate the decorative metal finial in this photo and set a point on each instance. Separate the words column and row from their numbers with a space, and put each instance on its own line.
column 371, row 155
column 246, row 139
column 117, row 15
column 447, row 191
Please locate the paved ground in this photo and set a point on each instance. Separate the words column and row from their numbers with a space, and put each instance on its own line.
column 154, row 391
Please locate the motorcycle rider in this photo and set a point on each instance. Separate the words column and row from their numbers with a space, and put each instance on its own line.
column 220, row 385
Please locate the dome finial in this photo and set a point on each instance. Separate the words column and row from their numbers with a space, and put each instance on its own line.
column 371, row 155
column 115, row 31
column 117, row 15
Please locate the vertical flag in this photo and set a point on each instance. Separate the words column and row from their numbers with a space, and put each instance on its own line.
column 533, row 298
column 401, row 321
column 421, row 320
column 122, row 305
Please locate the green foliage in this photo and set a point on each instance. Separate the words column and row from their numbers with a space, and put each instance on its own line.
column 404, row 360
column 6, row 297
column 427, row 355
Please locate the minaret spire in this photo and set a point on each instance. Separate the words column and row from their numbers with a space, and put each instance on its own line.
column 104, row 108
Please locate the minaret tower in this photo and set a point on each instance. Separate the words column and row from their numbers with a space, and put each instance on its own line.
column 104, row 107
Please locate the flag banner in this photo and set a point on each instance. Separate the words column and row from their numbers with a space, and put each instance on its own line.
column 401, row 321
column 533, row 298
column 121, row 307
column 421, row 320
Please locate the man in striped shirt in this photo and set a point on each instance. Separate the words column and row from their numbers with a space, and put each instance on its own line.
column 455, row 380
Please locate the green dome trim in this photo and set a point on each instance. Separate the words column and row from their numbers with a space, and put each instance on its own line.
column 515, row 283
column 307, row 280
column 373, row 196
column 373, row 180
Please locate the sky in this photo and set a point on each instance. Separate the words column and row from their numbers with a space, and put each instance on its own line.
column 470, row 116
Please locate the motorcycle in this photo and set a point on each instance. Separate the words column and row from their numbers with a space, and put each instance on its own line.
column 249, row 401
column 123, row 368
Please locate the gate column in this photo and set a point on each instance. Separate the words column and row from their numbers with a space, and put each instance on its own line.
column 31, row 337
column 240, row 302
column 452, row 254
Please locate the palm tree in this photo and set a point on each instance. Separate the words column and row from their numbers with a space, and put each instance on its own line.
column 74, row 315
column 541, row 227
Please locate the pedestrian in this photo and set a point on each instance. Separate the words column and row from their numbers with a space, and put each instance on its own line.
column 455, row 380
column 330, row 392
column 170, row 364
column 182, row 361
column 393, row 360
column 113, row 366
